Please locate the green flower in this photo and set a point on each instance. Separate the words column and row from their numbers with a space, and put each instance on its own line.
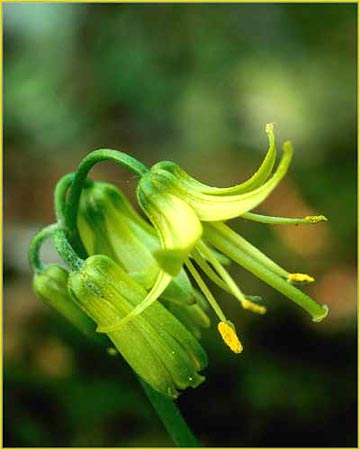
column 109, row 225
column 155, row 344
column 50, row 285
column 188, row 217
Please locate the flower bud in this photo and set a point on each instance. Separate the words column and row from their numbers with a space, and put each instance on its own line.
column 155, row 344
column 50, row 286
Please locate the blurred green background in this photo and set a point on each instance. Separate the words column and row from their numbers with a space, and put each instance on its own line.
column 192, row 83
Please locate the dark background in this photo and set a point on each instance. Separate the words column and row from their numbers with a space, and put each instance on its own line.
column 193, row 83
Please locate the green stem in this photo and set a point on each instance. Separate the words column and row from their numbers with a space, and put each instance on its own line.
column 60, row 192
column 65, row 250
column 171, row 417
column 60, row 195
column 35, row 246
column 85, row 166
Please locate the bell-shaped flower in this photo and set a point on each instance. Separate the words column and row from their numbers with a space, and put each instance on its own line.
column 178, row 228
column 188, row 216
column 155, row 344
column 109, row 225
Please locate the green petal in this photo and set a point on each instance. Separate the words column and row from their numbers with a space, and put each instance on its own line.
column 147, row 277
column 109, row 225
column 160, row 285
column 103, row 267
column 177, row 224
column 178, row 291
column 227, row 207
column 88, row 290
column 260, row 176
column 215, row 208
column 93, row 233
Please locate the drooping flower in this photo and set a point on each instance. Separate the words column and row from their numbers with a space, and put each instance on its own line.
column 109, row 225
column 50, row 285
column 189, row 218
column 155, row 344
column 133, row 263
column 96, row 293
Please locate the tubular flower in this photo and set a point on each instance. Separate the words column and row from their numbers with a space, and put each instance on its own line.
column 109, row 225
column 155, row 344
column 189, row 219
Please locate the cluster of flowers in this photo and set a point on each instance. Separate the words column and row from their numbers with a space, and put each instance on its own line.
column 128, row 279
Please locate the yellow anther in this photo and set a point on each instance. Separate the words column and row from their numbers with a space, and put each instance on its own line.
column 229, row 336
column 315, row 219
column 254, row 307
column 269, row 127
column 300, row 278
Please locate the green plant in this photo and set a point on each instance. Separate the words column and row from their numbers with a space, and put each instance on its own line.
column 128, row 286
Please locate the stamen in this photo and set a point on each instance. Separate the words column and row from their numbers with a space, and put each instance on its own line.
column 208, row 270
column 300, row 278
column 243, row 245
column 223, row 241
column 230, row 283
column 315, row 219
column 251, row 306
column 205, row 290
column 283, row 220
column 229, row 336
